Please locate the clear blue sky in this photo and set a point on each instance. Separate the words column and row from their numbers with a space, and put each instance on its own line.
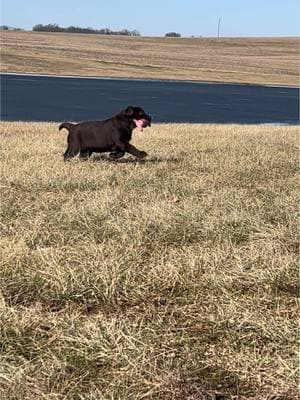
column 156, row 17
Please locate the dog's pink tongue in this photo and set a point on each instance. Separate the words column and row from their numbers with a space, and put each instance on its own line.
column 139, row 123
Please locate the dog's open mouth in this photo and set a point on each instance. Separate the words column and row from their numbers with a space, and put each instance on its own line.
column 141, row 123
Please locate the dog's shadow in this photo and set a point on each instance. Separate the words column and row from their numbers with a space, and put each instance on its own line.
column 131, row 160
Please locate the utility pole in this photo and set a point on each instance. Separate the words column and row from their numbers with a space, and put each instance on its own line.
column 219, row 22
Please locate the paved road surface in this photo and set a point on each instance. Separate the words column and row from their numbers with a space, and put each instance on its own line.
column 44, row 98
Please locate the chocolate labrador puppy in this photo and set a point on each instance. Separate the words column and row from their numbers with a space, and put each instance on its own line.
column 113, row 135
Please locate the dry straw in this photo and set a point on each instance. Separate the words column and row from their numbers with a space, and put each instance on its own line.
column 172, row 278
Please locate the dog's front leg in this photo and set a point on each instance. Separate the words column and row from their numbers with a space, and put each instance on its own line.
column 134, row 151
column 129, row 148
column 114, row 155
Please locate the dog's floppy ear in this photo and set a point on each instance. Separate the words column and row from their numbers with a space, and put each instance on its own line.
column 128, row 112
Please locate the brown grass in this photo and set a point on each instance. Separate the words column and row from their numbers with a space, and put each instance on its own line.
column 174, row 278
column 246, row 60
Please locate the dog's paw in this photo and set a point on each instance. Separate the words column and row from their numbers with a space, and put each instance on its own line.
column 116, row 154
column 143, row 154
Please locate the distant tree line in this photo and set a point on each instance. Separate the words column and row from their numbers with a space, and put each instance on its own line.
column 172, row 34
column 77, row 29
column 9, row 28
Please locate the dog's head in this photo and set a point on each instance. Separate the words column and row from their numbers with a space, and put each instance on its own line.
column 137, row 117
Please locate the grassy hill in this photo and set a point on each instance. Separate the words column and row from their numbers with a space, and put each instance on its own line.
column 243, row 60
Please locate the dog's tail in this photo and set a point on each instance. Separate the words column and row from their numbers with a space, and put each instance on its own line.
column 66, row 125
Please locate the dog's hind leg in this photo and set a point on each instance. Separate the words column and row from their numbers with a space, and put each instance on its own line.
column 67, row 153
column 85, row 154
column 71, row 152
column 73, row 148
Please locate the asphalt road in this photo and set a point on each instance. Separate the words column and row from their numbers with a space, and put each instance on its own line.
column 44, row 98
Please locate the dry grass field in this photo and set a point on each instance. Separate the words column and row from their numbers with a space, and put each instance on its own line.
column 248, row 60
column 173, row 278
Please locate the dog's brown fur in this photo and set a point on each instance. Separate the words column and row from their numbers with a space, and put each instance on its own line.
column 111, row 135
